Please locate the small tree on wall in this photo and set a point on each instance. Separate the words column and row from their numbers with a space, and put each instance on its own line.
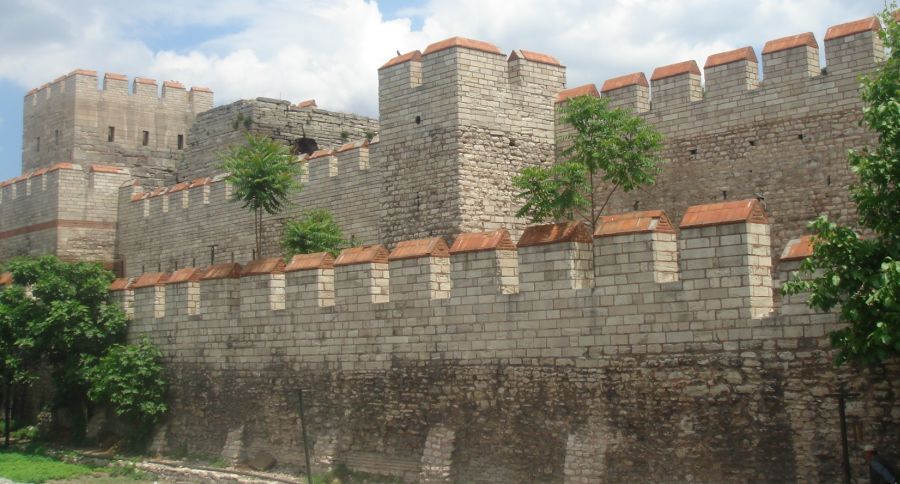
column 861, row 275
column 609, row 150
column 263, row 173
column 314, row 231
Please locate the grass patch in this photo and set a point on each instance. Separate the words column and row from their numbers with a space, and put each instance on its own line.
column 35, row 468
column 343, row 475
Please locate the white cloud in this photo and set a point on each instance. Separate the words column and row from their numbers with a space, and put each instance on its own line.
column 331, row 50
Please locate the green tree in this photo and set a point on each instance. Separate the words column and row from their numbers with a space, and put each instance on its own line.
column 263, row 174
column 61, row 319
column 314, row 231
column 16, row 351
column 130, row 377
column 608, row 150
column 861, row 275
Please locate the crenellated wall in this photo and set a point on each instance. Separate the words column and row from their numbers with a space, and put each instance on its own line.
column 167, row 228
column 781, row 134
column 71, row 119
column 64, row 210
column 553, row 360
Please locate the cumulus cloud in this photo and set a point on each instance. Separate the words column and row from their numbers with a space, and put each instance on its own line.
column 330, row 50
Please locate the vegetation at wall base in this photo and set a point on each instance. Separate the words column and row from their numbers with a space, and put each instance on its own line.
column 609, row 150
column 861, row 275
column 263, row 174
column 21, row 467
column 58, row 316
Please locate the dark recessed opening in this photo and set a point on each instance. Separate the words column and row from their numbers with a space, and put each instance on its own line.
column 512, row 142
column 180, row 141
column 418, row 120
column 56, row 137
column 37, row 142
column 800, row 136
column 724, row 195
column 753, row 142
column 693, row 151
column 111, row 134
column 145, row 140
column 304, row 146
column 828, row 180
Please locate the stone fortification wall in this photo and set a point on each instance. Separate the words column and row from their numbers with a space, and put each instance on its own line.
column 457, row 122
column 783, row 137
column 170, row 227
column 303, row 126
column 569, row 358
column 64, row 210
column 71, row 119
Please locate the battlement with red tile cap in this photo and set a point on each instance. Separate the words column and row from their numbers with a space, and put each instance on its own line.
column 651, row 287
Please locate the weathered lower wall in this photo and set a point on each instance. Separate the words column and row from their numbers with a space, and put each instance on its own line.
column 553, row 363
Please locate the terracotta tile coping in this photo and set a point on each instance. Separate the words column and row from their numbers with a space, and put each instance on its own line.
column 107, row 169
column 120, row 284
column 201, row 89
column 464, row 43
column 534, row 57
column 258, row 267
column 227, row 270
column 798, row 249
column 114, row 77
column 414, row 249
column 400, row 59
column 677, row 69
column 724, row 213
column 722, row 58
column 585, row 90
column 39, row 172
column 633, row 79
column 145, row 80
column 150, row 279
column 302, row 262
column 367, row 254
column 173, row 85
column 862, row 25
column 790, row 42
column 634, row 223
column 309, row 103
column 482, row 241
column 555, row 234
column 188, row 274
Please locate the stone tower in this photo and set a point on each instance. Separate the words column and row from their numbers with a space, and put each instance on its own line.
column 457, row 122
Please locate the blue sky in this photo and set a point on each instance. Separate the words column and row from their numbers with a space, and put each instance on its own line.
column 330, row 50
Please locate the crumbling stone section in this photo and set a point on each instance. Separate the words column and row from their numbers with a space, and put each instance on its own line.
column 233, row 450
column 436, row 458
column 586, row 454
column 305, row 129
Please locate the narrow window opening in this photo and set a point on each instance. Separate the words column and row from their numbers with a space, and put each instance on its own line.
column 418, row 120
column 180, row 141
column 724, row 195
column 693, row 151
column 37, row 142
column 800, row 136
column 828, row 180
column 753, row 142
column 56, row 137
column 146, row 139
column 111, row 134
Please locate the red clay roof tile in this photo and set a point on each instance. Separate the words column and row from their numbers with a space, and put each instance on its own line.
column 414, row 249
column 415, row 56
column 145, row 80
column 534, row 57
column 633, row 79
column 188, row 274
column 634, row 223
column 862, row 25
column 150, row 279
column 677, row 69
column 464, row 43
column 555, row 234
column 302, row 262
column 724, row 213
column 585, row 90
column 82, row 72
column 201, row 89
column 173, row 85
column 227, row 270
column 722, row 58
column 797, row 249
column 105, row 169
column 120, row 284
column 115, row 77
column 272, row 265
column 366, row 254
column 790, row 42
column 481, row 241
column 6, row 278
column 309, row 103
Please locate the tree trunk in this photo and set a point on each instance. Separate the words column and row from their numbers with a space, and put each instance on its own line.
column 7, row 408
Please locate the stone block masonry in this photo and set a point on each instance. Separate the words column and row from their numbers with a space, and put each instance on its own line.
column 782, row 137
column 142, row 128
column 589, row 362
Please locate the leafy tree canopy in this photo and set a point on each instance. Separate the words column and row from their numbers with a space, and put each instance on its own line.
column 315, row 231
column 607, row 150
column 861, row 275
